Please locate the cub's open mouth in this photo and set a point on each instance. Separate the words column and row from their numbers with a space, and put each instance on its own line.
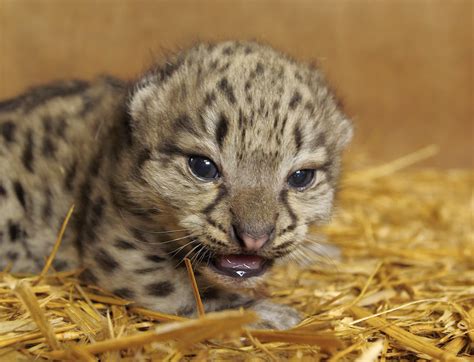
column 240, row 265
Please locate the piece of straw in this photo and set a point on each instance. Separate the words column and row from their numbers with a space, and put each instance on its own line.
column 393, row 166
column 197, row 296
column 199, row 328
column 24, row 292
column 57, row 244
column 326, row 342
column 406, row 338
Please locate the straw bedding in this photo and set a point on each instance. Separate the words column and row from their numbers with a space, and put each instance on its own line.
column 402, row 289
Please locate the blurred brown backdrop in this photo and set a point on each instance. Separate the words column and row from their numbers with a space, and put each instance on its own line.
column 404, row 69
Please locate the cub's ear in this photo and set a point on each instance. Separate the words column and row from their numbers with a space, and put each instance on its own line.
column 344, row 132
column 145, row 94
column 341, row 129
column 142, row 96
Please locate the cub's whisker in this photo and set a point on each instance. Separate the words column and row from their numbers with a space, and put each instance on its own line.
column 174, row 240
column 188, row 253
column 177, row 250
column 166, row 232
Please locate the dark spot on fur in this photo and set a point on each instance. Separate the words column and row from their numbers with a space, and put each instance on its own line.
column 199, row 73
column 148, row 270
column 241, row 118
column 20, row 193
column 114, row 82
column 124, row 245
column 47, row 124
column 168, row 69
column 170, row 149
column 291, row 228
column 27, row 156
column 94, row 216
column 259, row 69
column 275, row 106
column 224, row 67
column 228, row 50
column 48, row 206
column 12, row 255
column 309, row 106
column 281, row 72
column 38, row 95
column 60, row 265
column 88, row 104
column 81, row 216
column 88, row 277
column 70, row 175
column 220, row 195
column 209, row 99
column 95, row 164
column 160, row 289
column 126, row 129
column 184, row 123
column 320, row 140
column 105, row 260
column 143, row 156
column 8, row 129
column 14, row 230
column 3, row 191
column 210, row 293
column 284, row 201
column 221, row 130
column 48, row 149
column 247, row 85
column 61, row 128
column 275, row 121
column 261, row 108
column 295, row 100
column 124, row 293
column 285, row 244
column 283, row 125
column 298, row 138
column 213, row 65
column 186, row 311
column 227, row 90
column 216, row 224
column 155, row 258
column 11, row 104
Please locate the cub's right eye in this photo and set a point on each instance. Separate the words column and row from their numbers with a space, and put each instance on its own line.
column 203, row 168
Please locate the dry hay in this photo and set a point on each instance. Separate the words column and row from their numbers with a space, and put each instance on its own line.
column 403, row 290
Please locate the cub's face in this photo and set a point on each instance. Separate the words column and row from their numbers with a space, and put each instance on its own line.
column 238, row 147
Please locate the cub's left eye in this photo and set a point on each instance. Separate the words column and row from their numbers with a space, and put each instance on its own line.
column 203, row 168
column 301, row 179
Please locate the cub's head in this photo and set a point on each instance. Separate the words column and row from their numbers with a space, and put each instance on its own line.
column 237, row 148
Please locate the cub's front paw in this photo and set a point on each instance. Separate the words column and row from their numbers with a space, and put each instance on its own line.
column 274, row 316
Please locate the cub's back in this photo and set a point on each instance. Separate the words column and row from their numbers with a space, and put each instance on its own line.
column 47, row 137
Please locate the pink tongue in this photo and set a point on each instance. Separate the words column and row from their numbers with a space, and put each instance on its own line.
column 240, row 262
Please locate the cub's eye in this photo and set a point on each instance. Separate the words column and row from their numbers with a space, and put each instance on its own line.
column 203, row 168
column 301, row 178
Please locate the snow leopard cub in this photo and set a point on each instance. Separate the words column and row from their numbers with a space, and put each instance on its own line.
column 224, row 154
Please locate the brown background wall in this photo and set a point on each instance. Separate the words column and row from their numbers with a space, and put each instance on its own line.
column 404, row 69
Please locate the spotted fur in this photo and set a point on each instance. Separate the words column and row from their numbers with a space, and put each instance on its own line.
column 119, row 151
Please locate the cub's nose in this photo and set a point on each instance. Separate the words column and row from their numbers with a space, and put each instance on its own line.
column 250, row 240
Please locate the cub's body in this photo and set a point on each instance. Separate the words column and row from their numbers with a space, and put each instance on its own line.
column 224, row 154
